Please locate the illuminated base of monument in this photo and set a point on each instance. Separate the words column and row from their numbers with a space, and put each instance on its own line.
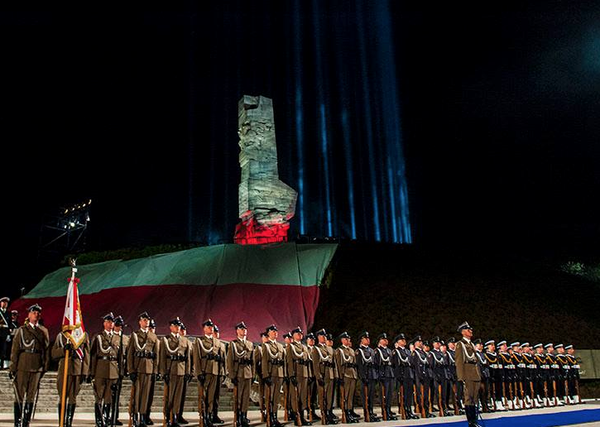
column 250, row 232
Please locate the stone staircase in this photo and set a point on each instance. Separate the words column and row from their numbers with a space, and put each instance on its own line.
column 48, row 398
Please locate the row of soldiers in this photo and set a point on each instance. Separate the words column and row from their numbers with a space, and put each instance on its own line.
column 8, row 326
column 303, row 373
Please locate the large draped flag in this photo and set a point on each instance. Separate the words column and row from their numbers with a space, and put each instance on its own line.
column 72, row 324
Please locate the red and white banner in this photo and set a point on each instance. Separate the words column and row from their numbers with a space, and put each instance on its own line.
column 72, row 325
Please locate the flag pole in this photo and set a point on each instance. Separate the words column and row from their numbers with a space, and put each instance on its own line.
column 63, row 397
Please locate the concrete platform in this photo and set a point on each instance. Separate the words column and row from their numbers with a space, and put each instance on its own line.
column 87, row 419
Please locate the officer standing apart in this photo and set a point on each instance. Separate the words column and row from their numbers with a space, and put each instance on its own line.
column 142, row 365
column 467, row 372
column 5, row 324
column 30, row 356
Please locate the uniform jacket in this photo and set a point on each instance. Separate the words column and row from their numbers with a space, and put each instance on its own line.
column 383, row 362
column 365, row 362
column 175, row 356
column 401, row 364
column 420, row 364
column 207, row 355
column 483, row 364
column 466, row 361
column 323, row 362
column 240, row 359
column 273, row 360
column 297, row 360
column 30, row 350
column 77, row 366
column 345, row 360
column 143, row 352
column 105, row 352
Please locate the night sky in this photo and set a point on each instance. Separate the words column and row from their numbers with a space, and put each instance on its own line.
column 461, row 126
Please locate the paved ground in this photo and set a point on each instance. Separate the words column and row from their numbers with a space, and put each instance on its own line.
column 87, row 419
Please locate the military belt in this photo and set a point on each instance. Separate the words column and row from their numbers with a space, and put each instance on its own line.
column 350, row 365
column 276, row 362
column 145, row 354
column 177, row 357
column 245, row 362
column 328, row 364
column 111, row 358
column 31, row 351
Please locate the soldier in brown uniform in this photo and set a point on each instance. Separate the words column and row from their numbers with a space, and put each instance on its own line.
column 221, row 360
column 104, row 368
column 30, row 355
column 206, row 368
column 78, row 371
column 142, row 365
column 258, row 372
column 312, row 382
column 148, row 420
column 297, row 366
column 240, row 361
column 123, row 343
column 325, row 374
column 180, row 419
column 467, row 371
column 345, row 361
column 175, row 367
column 287, row 339
column 273, row 366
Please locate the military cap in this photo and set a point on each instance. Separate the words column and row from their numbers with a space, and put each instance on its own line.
column 263, row 334
column 364, row 334
column 436, row 339
column 559, row 346
column 241, row 325
column 344, row 335
column 296, row 330
column 477, row 341
column 14, row 312
column 464, row 325
column 119, row 321
column 109, row 316
column 271, row 328
column 216, row 328
column 208, row 322
column 152, row 324
column 417, row 338
column 525, row 344
column 426, row 343
column 322, row 332
column 35, row 307
column 442, row 342
column 451, row 339
column 515, row 344
column 549, row 345
column 489, row 342
column 400, row 337
column 175, row 321
column 383, row 336
column 329, row 337
column 287, row 335
column 310, row 336
column 7, row 299
column 501, row 343
column 538, row 345
column 183, row 328
column 568, row 347
column 144, row 315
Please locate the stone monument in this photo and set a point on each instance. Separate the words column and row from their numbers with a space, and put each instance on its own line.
column 266, row 204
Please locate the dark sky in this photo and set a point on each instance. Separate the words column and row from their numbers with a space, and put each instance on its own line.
column 498, row 116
